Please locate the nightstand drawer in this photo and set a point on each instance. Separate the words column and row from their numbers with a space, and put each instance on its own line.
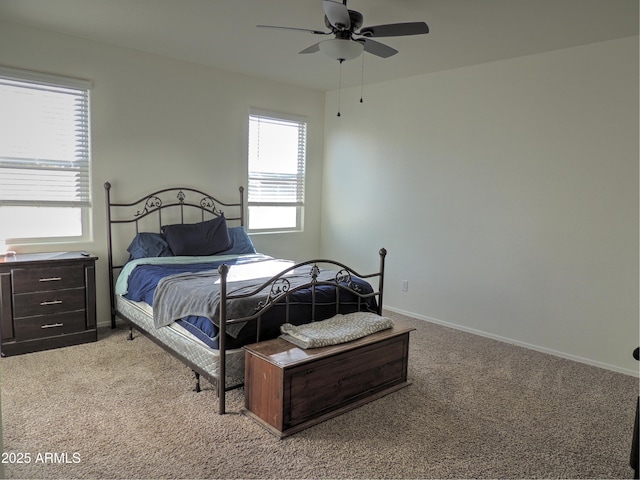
column 46, row 278
column 50, row 325
column 47, row 303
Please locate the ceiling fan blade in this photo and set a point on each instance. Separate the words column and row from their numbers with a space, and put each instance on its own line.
column 337, row 13
column 315, row 32
column 395, row 29
column 377, row 48
column 312, row 49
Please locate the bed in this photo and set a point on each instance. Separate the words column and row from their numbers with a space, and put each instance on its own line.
column 184, row 272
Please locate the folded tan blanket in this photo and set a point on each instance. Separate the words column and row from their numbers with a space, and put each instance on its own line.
column 335, row 330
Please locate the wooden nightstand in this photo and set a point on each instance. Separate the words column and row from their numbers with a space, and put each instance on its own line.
column 47, row 300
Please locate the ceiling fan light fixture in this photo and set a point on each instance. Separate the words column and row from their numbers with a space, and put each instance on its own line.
column 341, row 49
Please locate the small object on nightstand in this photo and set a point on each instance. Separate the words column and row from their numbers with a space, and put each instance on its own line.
column 47, row 300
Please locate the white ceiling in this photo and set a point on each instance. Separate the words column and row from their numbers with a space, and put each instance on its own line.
column 223, row 33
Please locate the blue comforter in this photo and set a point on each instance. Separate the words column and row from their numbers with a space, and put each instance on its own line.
column 144, row 279
column 138, row 282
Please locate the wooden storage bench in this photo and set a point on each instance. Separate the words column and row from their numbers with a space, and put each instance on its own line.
column 288, row 389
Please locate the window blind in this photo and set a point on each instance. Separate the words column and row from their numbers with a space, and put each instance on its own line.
column 44, row 140
column 277, row 150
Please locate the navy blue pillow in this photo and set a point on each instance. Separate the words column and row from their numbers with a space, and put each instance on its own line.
column 204, row 238
column 240, row 242
column 147, row 244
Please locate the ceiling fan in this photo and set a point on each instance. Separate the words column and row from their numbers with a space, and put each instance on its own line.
column 349, row 42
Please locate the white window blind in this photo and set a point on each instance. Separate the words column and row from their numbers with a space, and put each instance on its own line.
column 277, row 151
column 44, row 140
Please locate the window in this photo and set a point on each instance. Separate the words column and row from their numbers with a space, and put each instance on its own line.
column 277, row 152
column 45, row 182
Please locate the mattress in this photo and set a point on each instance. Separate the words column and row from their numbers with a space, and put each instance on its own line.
column 181, row 341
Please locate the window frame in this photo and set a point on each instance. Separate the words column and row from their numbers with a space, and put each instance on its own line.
column 81, row 91
column 302, row 123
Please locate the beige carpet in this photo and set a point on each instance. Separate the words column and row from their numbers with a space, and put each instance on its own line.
column 477, row 408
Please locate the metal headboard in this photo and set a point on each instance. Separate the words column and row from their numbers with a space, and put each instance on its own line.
column 181, row 199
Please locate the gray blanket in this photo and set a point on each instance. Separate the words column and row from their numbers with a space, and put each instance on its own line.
column 198, row 294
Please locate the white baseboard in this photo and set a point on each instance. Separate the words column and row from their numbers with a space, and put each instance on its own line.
column 511, row 341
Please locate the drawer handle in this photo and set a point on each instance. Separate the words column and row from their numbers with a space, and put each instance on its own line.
column 51, row 279
column 52, row 325
column 52, row 302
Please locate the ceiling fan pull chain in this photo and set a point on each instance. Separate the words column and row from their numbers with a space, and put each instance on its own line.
column 362, row 79
column 339, row 86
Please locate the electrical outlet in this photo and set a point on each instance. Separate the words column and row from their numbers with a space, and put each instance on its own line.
column 405, row 285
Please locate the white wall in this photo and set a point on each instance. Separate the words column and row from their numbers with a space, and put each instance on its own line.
column 158, row 122
column 506, row 194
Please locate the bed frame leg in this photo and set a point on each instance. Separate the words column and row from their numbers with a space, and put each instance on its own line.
column 130, row 336
column 197, row 376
